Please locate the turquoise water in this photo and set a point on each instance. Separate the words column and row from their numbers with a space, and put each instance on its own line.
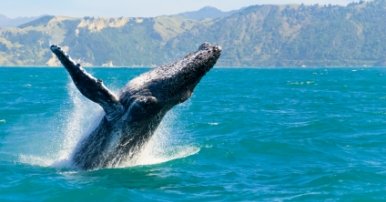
column 245, row 135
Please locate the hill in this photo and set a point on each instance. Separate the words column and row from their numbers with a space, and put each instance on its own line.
column 13, row 22
column 263, row 35
column 206, row 13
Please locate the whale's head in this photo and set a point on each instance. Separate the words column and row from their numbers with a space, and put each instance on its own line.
column 166, row 86
column 175, row 83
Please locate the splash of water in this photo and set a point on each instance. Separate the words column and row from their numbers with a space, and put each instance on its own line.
column 163, row 146
column 83, row 118
column 71, row 129
column 78, row 124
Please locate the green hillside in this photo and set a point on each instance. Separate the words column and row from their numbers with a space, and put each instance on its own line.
column 293, row 35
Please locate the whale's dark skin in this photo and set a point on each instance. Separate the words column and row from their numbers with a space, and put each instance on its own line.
column 132, row 116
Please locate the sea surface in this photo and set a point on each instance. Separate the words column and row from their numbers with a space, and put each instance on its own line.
column 287, row 134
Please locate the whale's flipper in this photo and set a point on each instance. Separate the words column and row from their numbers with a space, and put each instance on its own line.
column 89, row 86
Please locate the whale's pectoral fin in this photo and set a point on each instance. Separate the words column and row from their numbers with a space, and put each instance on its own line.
column 89, row 86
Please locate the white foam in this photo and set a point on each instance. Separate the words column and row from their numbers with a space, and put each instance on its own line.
column 164, row 146
column 44, row 161
column 35, row 160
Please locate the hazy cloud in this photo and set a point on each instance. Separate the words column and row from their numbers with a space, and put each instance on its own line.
column 115, row 8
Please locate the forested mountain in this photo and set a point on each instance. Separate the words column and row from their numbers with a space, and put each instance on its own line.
column 263, row 35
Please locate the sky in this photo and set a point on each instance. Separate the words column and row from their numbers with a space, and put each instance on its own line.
column 131, row 8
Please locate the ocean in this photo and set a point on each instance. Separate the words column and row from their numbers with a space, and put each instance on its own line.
column 286, row 134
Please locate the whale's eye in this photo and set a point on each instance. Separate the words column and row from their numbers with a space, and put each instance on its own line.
column 143, row 107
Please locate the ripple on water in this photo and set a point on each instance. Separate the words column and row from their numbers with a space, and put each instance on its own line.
column 246, row 135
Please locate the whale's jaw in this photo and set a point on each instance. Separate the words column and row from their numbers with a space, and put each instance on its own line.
column 174, row 83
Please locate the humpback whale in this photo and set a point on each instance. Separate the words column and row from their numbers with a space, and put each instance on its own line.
column 132, row 115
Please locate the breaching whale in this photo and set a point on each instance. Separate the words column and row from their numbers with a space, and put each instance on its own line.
column 132, row 116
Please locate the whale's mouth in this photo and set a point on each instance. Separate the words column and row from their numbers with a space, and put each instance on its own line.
column 173, row 84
